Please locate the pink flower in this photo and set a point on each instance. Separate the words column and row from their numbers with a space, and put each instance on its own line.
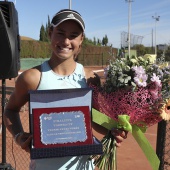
column 155, row 94
column 156, row 80
column 154, row 90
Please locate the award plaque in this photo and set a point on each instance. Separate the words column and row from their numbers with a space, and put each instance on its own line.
column 60, row 121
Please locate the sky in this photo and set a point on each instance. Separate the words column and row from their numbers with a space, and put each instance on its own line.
column 102, row 17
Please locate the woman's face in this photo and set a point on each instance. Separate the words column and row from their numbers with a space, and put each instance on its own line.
column 66, row 39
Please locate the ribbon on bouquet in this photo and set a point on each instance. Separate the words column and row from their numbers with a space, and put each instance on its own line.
column 137, row 132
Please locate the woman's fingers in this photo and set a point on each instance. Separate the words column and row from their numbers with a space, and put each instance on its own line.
column 119, row 135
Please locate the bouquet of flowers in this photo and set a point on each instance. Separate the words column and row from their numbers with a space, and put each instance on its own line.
column 134, row 96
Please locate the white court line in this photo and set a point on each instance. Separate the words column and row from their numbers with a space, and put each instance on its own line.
column 151, row 134
column 96, row 71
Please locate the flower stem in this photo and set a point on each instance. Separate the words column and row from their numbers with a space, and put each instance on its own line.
column 108, row 160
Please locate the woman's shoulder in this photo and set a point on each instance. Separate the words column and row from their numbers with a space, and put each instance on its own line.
column 30, row 78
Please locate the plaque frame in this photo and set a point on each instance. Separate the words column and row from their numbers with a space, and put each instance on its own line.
column 51, row 101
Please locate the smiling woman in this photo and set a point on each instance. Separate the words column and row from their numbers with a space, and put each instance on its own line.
column 60, row 71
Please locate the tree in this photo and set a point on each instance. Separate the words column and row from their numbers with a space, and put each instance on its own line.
column 49, row 23
column 99, row 43
column 105, row 41
column 42, row 33
column 94, row 41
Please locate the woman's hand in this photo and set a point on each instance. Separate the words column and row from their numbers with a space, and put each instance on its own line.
column 119, row 135
column 24, row 141
column 99, row 132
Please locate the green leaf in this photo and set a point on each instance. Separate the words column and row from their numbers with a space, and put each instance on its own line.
column 133, row 61
column 133, row 84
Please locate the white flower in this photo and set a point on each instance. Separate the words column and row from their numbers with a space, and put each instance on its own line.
column 138, row 70
column 140, row 80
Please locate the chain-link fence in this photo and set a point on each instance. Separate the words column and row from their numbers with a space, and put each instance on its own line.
column 135, row 39
column 15, row 157
column 163, row 145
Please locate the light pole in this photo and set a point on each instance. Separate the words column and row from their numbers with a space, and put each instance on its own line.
column 156, row 18
column 69, row 4
column 129, row 23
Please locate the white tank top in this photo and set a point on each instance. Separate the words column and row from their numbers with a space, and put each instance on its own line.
column 51, row 80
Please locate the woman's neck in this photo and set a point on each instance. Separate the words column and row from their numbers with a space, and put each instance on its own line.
column 64, row 67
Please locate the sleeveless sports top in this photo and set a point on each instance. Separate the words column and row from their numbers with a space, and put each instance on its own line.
column 51, row 80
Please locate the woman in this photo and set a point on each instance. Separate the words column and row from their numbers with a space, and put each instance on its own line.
column 61, row 71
